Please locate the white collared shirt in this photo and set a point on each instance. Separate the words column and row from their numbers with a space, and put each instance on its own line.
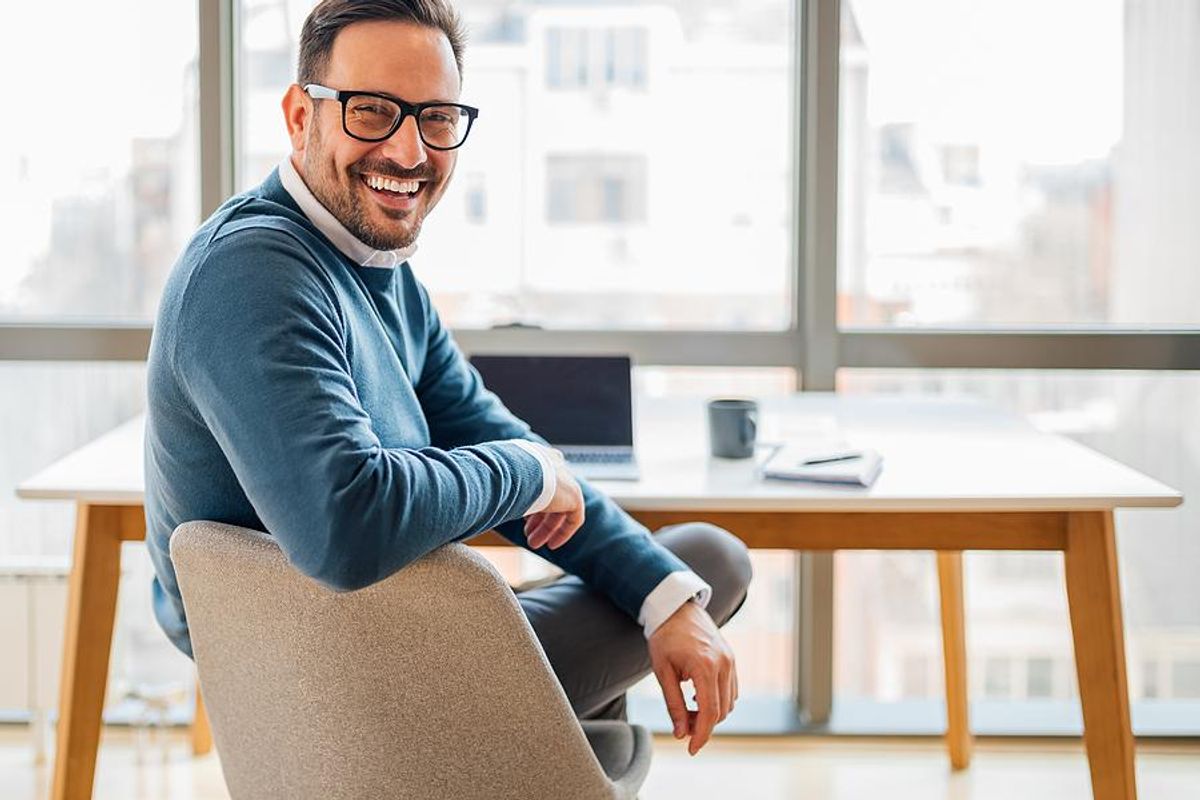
column 354, row 248
column 675, row 589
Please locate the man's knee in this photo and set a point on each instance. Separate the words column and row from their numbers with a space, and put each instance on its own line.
column 717, row 556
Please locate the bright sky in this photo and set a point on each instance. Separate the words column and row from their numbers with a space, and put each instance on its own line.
column 113, row 71
column 1043, row 77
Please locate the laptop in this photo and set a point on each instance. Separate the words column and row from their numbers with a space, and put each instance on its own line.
column 583, row 405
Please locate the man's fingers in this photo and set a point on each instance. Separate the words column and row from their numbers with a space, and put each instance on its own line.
column 534, row 527
column 561, row 534
column 559, row 530
column 564, row 534
column 708, row 705
column 552, row 529
column 673, row 695
column 726, row 681
column 572, row 522
column 542, row 530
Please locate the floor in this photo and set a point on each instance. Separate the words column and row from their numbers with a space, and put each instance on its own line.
column 140, row 766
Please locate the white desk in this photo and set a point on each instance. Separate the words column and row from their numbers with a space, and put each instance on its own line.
column 957, row 476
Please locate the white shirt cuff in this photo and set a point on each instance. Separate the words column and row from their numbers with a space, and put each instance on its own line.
column 671, row 593
column 549, row 474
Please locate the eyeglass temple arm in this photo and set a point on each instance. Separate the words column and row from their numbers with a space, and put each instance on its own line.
column 319, row 92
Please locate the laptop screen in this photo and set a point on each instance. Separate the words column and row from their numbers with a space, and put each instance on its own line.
column 568, row 400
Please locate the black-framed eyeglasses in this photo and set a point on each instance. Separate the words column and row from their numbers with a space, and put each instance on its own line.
column 373, row 117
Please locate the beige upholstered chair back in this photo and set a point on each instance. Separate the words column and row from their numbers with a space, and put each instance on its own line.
column 428, row 684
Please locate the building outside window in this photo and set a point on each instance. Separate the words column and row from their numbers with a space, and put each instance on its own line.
column 596, row 189
column 607, row 57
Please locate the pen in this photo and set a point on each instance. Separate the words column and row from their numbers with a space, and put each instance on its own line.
column 830, row 459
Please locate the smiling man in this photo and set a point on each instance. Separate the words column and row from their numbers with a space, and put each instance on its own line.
column 301, row 383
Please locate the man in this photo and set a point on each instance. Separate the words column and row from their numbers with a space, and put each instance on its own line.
column 301, row 383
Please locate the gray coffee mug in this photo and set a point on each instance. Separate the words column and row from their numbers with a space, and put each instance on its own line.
column 732, row 427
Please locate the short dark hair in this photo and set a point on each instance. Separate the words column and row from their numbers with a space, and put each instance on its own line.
column 329, row 17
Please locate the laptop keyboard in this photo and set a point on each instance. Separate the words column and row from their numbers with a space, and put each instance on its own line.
column 599, row 458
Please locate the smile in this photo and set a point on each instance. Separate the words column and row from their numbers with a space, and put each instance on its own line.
column 393, row 186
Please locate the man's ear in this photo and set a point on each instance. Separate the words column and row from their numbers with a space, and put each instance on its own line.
column 298, row 115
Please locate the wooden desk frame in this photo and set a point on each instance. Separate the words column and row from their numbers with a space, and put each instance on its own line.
column 1085, row 537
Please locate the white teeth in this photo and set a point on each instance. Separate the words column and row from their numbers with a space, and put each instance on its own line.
column 384, row 184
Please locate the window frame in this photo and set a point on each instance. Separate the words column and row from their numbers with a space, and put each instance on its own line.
column 813, row 344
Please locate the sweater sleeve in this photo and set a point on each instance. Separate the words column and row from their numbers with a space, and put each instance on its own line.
column 262, row 355
column 611, row 552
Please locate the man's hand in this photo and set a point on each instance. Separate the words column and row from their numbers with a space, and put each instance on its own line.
column 555, row 524
column 688, row 646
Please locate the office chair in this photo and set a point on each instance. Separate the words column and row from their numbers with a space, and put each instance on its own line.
column 429, row 684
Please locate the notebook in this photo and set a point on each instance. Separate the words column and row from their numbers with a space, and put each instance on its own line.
column 835, row 463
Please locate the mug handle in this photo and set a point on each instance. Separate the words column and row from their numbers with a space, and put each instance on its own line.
column 749, row 428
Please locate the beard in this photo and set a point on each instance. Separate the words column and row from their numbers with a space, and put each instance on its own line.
column 342, row 196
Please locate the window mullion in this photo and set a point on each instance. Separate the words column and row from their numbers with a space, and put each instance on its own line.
column 817, row 53
column 216, row 103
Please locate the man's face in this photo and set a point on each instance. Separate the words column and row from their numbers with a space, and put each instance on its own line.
column 400, row 59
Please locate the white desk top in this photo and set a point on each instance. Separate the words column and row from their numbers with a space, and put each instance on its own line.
column 939, row 455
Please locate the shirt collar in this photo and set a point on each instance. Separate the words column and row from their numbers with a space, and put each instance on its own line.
column 354, row 248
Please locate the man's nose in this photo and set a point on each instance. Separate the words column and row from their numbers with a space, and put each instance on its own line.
column 405, row 146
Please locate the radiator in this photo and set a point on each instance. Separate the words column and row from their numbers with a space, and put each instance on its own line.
column 33, row 596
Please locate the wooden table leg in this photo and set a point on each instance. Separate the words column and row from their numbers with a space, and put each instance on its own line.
column 954, row 650
column 91, row 607
column 201, row 733
column 1094, row 596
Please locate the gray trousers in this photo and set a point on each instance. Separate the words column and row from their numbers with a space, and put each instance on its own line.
column 597, row 651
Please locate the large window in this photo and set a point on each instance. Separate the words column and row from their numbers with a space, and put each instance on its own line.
column 1027, row 162
column 793, row 185
column 99, row 189
column 637, row 161
column 1020, row 653
column 98, row 185
column 1027, row 165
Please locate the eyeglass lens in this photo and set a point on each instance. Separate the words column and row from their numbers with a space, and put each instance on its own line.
column 372, row 118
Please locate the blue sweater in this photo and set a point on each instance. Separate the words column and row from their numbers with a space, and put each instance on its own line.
column 296, row 392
